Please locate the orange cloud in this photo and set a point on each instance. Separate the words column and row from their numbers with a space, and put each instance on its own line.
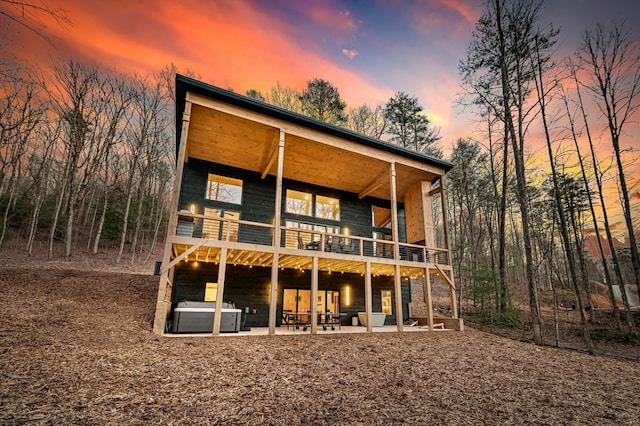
column 463, row 8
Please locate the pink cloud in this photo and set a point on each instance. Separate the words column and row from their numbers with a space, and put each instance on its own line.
column 349, row 53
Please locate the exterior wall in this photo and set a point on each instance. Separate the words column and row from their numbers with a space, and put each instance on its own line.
column 246, row 286
column 258, row 200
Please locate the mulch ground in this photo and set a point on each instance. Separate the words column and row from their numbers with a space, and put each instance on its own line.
column 76, row 347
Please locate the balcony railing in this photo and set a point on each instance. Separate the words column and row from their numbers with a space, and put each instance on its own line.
column 241, row 231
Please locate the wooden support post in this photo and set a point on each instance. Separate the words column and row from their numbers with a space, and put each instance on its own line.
column 273, row 299
column 273, row 293
column 452, row 290
column 222, row 272
column 427, row 297
column 396, row 247
column 368, row 296
column 163, row 303
column 397, row 277
column 314, row 296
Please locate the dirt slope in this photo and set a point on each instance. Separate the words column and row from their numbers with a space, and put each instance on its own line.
column 76, row 347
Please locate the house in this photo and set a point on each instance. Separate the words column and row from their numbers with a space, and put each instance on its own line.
column 272, row 210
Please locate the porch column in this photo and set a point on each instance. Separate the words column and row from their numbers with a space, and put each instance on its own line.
column 314, row 296
column 427, row 297
column 396, row 247
column 273, row 297
column 222, row 273
column 368, row 296
column 163, row 303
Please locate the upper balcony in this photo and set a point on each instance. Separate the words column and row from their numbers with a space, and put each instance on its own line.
column 200, row 238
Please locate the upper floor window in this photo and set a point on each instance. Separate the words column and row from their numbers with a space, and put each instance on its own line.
column 380, row 217
column 327, row 208
column 303, row 203
column 222, row 188
column 298, row 202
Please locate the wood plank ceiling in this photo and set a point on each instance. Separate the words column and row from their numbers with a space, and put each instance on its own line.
column 227, row 139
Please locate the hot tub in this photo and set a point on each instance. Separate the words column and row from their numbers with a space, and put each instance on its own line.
column 377, row 318
column 197, row 317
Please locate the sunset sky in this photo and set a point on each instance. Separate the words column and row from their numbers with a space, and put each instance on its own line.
column 367, row 49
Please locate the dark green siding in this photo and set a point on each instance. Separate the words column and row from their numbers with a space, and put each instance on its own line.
column 258, row 201
column 249, row 287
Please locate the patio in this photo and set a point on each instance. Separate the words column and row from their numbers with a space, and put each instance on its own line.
column 288, row 331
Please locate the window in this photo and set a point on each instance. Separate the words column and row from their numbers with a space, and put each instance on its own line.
column 211, row 228
column 302, row 203
column 386, row 302
column 295, row 300
column 380, row 217
column 381, row 249
column 221, row 188
column 298, row 202
column 211, row 292
column 327, row 208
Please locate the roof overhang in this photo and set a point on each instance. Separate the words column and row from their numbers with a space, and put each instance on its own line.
column 242, row 132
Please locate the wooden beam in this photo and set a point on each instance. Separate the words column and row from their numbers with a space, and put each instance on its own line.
column 184, row 254
column 273, row 297
column 273, row 156
column 304, row 132
column 222, row 269
column 396, row 247
column 452, row 290
column 444, row 276
column 376, row 183
column 314, row 296
column 368, row 296
column 427, row 298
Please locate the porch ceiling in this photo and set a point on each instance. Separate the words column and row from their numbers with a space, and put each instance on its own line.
column 236, row 141
column 331, row 264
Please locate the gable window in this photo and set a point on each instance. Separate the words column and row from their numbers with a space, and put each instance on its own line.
column 225, row 189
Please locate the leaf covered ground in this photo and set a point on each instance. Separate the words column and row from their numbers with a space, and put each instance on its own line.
column 77, row 348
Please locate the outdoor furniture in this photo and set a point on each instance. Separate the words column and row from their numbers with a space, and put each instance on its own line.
column 312, row 245
column 331, row 319
column 288, row 318
column 377, row 318
column 333, row 245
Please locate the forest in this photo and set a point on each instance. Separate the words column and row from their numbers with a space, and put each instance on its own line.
column 87, row 162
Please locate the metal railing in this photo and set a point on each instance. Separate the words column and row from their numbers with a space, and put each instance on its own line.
column 241, row 231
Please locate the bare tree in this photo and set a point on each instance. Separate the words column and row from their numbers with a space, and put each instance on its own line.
column 594, row 218
column 147, row 124
column 613, row 64
column 30, row 14
column 367, row 121
column 80, row 99
column 499, row 73
column 21, row 111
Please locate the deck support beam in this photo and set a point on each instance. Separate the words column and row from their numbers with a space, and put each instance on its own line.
column 222, row 272
column 314, row 296
column 396, row 246
column 427, row 297
column 368, row 296
column 273, row 297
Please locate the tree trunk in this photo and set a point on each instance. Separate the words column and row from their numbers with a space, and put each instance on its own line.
column 605, row 266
